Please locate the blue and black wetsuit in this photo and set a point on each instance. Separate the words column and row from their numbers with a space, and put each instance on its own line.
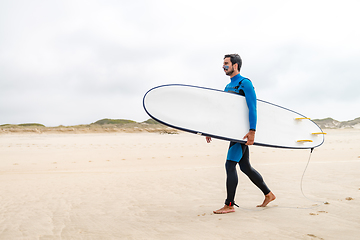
column 238, row 153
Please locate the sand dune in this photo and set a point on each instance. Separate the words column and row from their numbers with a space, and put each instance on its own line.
column 152, row 186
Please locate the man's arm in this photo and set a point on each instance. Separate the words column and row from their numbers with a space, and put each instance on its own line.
column 251, row 103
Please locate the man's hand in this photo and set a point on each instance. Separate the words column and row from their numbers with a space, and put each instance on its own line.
column 208, row 139
column 250, row 136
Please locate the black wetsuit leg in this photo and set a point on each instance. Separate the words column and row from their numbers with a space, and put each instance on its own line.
column 252, row 174
column 245, row 167
column 231, row 181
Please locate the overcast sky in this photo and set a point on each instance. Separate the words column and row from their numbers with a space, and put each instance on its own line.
column 68, row 62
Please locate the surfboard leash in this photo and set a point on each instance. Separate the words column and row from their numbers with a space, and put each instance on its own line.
column 302, row 177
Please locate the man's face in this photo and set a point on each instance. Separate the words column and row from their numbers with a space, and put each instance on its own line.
column 228, row 67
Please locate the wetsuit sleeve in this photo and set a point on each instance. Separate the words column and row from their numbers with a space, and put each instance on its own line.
column 251, row 102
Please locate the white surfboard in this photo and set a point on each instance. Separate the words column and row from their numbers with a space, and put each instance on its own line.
column 224, row 115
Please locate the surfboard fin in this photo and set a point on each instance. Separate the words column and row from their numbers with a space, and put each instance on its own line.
column 305, row 140
column 302, row 118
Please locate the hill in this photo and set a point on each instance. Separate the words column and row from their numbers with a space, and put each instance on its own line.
column 100, row 126
column 332, row 123
column 113, row 121
column 123, row 125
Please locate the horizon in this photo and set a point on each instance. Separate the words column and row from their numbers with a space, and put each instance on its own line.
column 17, row 124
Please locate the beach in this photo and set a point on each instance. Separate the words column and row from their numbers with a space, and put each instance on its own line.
column 165, row 186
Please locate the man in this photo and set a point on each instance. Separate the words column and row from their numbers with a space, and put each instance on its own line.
column 238, row 153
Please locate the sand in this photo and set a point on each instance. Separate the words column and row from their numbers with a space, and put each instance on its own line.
column 165, row 186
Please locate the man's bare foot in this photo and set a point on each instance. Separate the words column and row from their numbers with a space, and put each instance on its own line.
column 225, row 209
column 268, row 198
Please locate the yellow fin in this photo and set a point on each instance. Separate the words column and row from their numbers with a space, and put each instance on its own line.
column 301, row 141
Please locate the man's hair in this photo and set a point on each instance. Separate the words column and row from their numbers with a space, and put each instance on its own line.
column 234, row 58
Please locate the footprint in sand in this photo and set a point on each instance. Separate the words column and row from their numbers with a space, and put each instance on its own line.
column 314, row 236
column 317, row 213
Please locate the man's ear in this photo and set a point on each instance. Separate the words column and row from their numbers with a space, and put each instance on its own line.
column 235, row 66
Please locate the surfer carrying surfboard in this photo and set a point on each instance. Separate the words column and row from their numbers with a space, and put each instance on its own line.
column 238, row 153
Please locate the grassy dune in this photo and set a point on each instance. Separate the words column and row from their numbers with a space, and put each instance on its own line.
column 100, row 126
column 129, row 126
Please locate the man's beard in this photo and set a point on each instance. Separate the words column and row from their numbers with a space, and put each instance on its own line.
column 229, row 72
